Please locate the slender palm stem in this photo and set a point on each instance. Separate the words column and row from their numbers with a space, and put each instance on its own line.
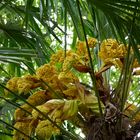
column 90, row 58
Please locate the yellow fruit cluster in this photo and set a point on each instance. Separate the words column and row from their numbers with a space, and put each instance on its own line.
column 51, row 81
column 45, row 129
column 57, row 91
column 26, row 128
column 36, row 99
column 22, row 84
column 112, row 52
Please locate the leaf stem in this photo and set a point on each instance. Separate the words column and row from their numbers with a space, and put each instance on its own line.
column 92, row 74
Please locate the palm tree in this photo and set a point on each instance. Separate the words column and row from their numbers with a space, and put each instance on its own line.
column 34, row 34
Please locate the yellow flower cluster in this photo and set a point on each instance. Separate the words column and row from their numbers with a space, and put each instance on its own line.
column 111, row 52
column 12, row 85
column 27, row 83
column 57, row 57
column 67, row 77
column 71, row 91
column 45, row 129
column 24, row 121
column 92, row 42
column 22, row 84
column 58, row 110
column 82, row 61
column 81, row 52
column 26, row 126
column 46, row 73
column 81, row 46
column 57, row 79
column 36, row 99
